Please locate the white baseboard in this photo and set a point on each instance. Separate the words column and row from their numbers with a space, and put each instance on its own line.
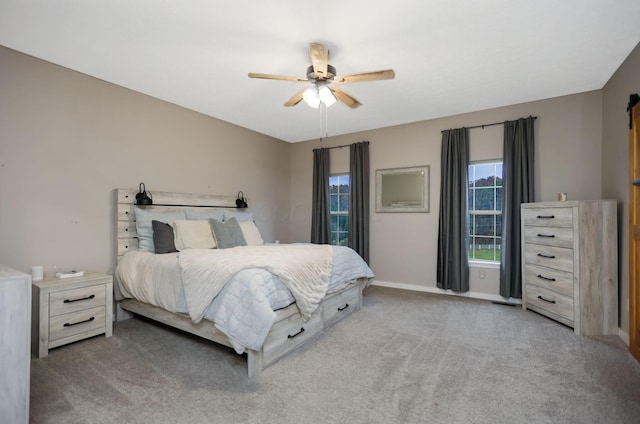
column 624, row 336
column 473, row 295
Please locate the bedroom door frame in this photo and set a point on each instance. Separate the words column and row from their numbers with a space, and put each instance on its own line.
column 634, row 232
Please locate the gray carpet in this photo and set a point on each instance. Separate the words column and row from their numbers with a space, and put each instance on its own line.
column 406, row 357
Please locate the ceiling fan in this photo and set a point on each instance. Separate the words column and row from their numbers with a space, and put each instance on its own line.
column 323, row 79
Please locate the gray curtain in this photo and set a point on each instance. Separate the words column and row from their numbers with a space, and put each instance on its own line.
column 518, row 188
column 359, row 199
column 320, row 215
column 453, row 246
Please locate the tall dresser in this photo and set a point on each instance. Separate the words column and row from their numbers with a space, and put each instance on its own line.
column 570, row 263
column 15, row 336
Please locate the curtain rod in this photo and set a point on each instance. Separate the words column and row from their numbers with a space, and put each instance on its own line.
column 339, row 147
column 486, row 125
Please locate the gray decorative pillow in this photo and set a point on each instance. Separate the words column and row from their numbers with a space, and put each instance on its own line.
column 163, row 237
column 144, row 227
column 227, row 233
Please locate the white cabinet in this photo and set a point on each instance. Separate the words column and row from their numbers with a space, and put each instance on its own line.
column 570, row 263
column 15, row 356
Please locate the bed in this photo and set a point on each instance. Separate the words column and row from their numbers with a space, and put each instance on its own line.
column 260, row 299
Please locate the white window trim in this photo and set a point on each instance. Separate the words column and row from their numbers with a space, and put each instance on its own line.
column 477, row 263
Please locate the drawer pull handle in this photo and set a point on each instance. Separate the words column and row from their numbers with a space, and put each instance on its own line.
column 546, row 216
column 546, row 256
column 291, row 336
column 346, row 305
column 546, row 278
column 66, row 324
column 78, row 300
column 547, row 235
column 546, row 300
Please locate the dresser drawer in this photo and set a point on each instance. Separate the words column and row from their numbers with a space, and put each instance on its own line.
column 548, row 217
column 340, row 305
column 559, row 258
column 66, row 301
column 547, row 300
column 68, row 325
column 551, row 279
column 289, row 333
column 550, row 236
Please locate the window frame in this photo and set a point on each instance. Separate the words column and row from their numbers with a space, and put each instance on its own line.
column 484, row 263
column 339, row 213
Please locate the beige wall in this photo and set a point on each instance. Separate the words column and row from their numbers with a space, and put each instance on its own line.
column 404, row 246
column 615, row 160
column 67, row 140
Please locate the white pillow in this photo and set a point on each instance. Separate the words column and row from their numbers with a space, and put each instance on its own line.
column 191, row 234
column 251, row 233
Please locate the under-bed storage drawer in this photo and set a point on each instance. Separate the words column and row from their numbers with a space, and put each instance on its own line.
column 340, row 305
column 289, row 333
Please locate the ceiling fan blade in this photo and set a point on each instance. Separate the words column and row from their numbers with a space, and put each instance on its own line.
column 366, row 76
column 296, row 98
column 319, row 59
column 345, row 98
column 277, row 77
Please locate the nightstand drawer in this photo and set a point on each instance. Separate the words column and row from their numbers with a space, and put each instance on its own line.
column 66, row 301
column 67, row 325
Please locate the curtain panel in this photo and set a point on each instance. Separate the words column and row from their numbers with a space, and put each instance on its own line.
column 453, row 246
column 518, row 157
column 320, row 214
column 359, row 199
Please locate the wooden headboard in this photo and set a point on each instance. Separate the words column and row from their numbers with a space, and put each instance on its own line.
column 126, row 236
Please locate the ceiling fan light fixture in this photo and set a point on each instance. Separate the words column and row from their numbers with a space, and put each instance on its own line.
column 326, row 95
column 311, row 97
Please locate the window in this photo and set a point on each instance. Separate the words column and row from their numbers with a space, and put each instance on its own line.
column 339, row 209
column 485, row 211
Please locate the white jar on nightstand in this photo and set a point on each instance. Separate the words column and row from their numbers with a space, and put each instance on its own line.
column 66, row 310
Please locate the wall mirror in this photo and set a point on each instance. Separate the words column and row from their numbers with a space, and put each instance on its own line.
column 402, row 189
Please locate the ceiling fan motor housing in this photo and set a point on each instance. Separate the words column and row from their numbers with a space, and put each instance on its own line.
column 313, row 76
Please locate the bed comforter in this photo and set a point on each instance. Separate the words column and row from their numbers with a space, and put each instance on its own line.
column 242, row 305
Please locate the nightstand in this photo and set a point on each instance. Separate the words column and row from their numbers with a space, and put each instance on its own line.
column 66, row 310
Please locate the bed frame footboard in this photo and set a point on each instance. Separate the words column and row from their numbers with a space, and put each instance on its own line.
column 288, row 332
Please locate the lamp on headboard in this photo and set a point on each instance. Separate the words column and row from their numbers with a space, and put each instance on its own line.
column 241, row 202
column 142, row 198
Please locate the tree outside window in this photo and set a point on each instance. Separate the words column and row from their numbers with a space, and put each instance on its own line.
column 485, row 211
column 339, row 208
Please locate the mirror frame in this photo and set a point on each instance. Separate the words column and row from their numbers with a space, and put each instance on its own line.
column 423, row 208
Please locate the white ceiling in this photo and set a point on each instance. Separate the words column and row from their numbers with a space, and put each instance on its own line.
column 450, row 56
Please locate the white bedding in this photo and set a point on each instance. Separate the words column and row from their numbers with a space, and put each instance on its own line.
column 244, row 306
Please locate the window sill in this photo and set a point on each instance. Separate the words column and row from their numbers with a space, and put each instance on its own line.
column 484, row 264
